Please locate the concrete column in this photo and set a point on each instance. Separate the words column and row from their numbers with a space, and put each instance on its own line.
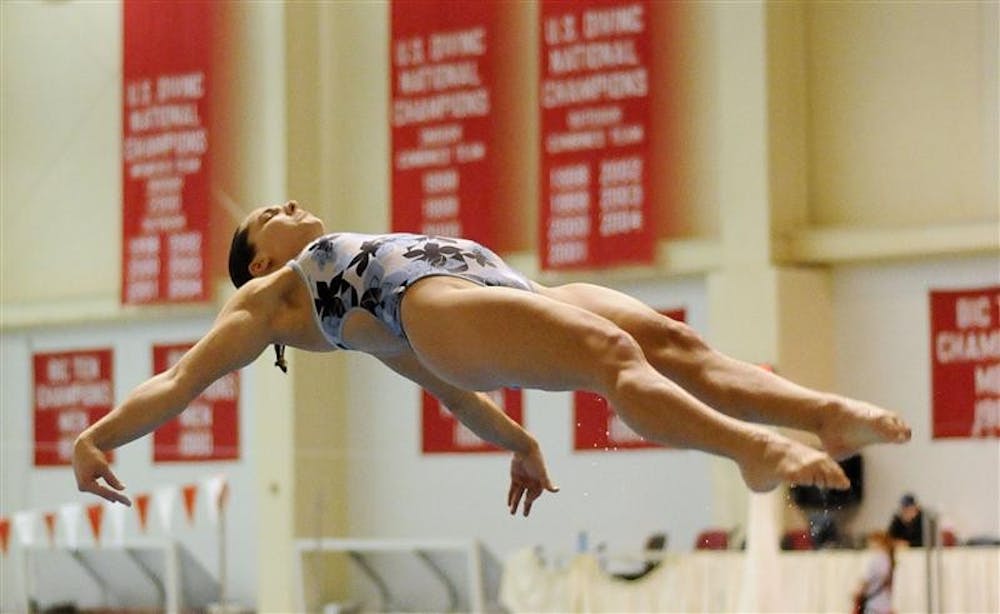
column 334, row 51
column 273, row 454
column 250, row 171
column 759, row 312
column 742, row 293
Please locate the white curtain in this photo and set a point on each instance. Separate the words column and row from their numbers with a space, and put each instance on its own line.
column 820, row 582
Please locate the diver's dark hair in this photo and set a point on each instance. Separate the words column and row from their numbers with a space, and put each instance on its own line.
column 241, row 254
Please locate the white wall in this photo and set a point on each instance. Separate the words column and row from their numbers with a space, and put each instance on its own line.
column 882, row 329
column 45, row 489
column 61, row 161
column 902, row 112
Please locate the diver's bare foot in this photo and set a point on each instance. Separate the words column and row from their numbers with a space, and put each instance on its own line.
column 779, row 459
column 849, row 425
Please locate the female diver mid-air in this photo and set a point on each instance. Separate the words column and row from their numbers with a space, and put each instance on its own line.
column 451, row 316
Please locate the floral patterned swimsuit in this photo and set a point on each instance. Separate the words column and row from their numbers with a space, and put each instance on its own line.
column 346, row 271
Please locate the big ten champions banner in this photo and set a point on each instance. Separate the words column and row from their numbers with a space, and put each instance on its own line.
column 72, row 391
column 599, row 427
column 596, row 83
column 209, row 428
column 965, row 363
column 165, row 178
column 442, row 432
column 444, row 163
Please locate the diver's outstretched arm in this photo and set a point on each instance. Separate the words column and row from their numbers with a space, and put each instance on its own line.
column 238, row 336
column 528, row 474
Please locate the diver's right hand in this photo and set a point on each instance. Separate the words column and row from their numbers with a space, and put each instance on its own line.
column 529, row 478
column 91, row 464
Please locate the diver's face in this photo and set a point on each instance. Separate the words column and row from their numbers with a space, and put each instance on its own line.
column 278, row 233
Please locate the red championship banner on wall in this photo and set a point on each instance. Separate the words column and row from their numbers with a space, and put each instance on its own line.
column 209, row 429
column 442, row 432
column 599, row 427
column 965, row 362
column 165, row 178
column 596, row 209
column 72, row 391
column 443, row 162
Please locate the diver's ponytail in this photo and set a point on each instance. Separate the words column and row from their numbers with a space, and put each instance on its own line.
column 279, row 353
column 241, row 254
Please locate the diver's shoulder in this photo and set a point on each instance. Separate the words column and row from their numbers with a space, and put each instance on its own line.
column 268, row 292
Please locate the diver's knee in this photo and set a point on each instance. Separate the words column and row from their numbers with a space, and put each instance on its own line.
column 615, row 351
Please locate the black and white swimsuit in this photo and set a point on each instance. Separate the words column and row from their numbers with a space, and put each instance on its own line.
column 346, row 271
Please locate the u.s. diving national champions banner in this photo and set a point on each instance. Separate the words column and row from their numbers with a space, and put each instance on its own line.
column 442, row 105
column 167, row 82
column 596, row 86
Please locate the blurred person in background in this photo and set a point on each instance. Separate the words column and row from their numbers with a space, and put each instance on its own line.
column 874, row 592
column 907, row 526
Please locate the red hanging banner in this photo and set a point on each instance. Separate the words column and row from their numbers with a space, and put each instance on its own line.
column 190, row 493
column 599, row 427
column 442, row 115
column 95, row 514
column 965, row 362
column 72, row 391
column 596, row 61
column 4, row 534
column 142, row 509
column 209, row 428
column 165, row 179
column 50, row 526
column 443, row 433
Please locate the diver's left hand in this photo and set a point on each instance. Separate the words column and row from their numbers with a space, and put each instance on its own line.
column 528, row 479
column 90, row 464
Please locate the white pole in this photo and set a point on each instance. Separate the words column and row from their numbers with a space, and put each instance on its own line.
column 223, row 579
column 171, row 578
column 761, row 585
